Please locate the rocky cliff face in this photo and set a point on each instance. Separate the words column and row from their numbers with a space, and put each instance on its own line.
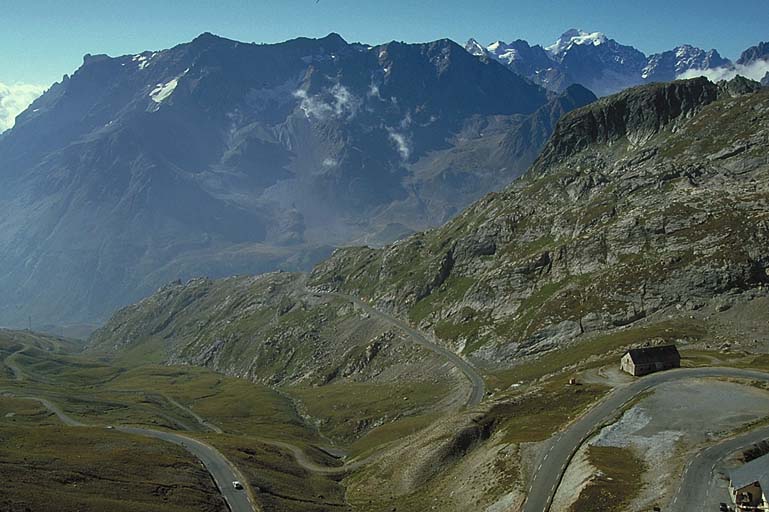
column 217, row 157
column 667, row 66
column 653, row 200
column 266, row 329
column 650, row 204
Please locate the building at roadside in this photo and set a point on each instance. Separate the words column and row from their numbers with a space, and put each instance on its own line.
column 646, row 360
column 748, row 484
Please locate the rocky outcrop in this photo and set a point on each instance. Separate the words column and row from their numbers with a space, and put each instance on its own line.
column 636, row 115
column 754, row 53
column 652, row 201
column 649, row 200
column 218, row 158
column 266, row 329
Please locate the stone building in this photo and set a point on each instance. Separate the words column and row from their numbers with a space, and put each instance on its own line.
column 749, row 484
column 642, row 361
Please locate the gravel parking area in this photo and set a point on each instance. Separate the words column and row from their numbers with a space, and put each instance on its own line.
column 666, row 429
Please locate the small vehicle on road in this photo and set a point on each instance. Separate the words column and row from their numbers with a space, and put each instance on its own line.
column 237, row 485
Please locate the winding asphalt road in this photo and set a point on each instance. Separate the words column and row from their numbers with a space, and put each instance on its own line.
column 476, row 380
column 217, row 465
column 560, row 449
column 222, row 471
column 699, row 489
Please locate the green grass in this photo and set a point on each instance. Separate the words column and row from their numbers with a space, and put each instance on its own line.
column 620, row 480
column 452, row 290
column 148, row 351
column 84, row 470
column 348, row 411
column 537, row 417
column 467, row 326
column 278, row 482
column 597, row 351
column 379, row 437
column 19, row 412
column 235, row 405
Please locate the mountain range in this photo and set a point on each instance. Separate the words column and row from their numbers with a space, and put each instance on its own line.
column 646, row 210
column 218, row 157
column 605, row 66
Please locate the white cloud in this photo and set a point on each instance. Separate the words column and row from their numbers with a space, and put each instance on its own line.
column 373, row 91
column 14, row 99
column 334, row 103
column 401, row 142
column 755, row 71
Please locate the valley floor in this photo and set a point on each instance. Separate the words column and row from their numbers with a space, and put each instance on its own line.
column 96, row 433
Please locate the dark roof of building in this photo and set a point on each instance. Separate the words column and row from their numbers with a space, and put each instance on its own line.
column 756, row 470
column 648, row 355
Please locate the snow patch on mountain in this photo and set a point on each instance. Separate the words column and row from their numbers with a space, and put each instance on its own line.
column 576, row 37
column 143, row 60
column 163, row 91
column 473, row 47
column 505, row 53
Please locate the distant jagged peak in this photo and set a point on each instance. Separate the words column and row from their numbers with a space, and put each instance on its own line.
column 473, row 47
column 333, row 38
column 208, row 38
column 576, row 37
column 755, row 53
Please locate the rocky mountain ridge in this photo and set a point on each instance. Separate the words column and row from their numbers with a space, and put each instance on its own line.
column 648, row 204
column 641, row 202
column 217, row 157
column 605, row 66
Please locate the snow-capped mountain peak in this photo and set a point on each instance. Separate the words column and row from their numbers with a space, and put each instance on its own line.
column 576, row 37
column 604, row 65
column 670, row 64
column 473, row 47
column 506, row 53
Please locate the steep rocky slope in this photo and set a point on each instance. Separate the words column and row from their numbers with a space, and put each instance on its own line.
column 217, row 157
column 648, row 201
column 267, row 329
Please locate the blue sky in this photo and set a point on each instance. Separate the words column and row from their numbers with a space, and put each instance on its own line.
column 43, row 39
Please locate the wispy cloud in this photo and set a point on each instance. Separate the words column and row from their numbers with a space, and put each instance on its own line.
column 14, row 99
column 401, row 142
column 755, row 71
column 334, row 103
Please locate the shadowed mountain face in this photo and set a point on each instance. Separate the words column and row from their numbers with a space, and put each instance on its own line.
column 218, row 157
column 643, row 207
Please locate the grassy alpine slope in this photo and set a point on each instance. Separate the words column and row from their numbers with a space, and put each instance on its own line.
column 643, row 220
